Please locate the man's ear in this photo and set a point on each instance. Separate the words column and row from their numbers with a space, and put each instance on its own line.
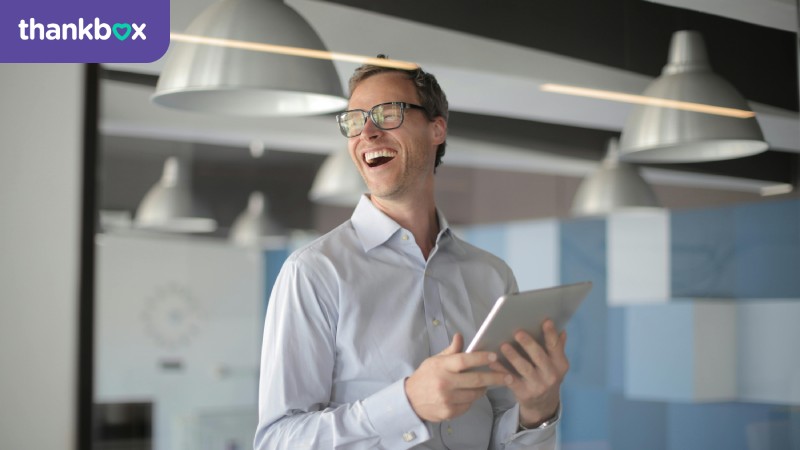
column 439, row 130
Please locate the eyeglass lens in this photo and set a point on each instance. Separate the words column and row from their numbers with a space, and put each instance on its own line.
column 386, row 116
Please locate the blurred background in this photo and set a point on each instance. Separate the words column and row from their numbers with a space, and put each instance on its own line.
column 136, row 273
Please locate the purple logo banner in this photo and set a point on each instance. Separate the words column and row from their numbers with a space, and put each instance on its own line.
column 83, row 31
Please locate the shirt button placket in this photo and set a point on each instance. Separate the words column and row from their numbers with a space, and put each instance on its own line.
column 437, row 332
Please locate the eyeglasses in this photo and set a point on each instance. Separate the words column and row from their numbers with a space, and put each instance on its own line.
column 385, row 116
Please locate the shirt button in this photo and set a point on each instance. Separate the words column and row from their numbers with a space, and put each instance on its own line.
column 449, row 429
column 409, row 436
column 436, row 322
column 405, row 237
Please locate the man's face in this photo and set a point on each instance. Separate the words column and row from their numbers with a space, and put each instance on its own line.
column 395, row 164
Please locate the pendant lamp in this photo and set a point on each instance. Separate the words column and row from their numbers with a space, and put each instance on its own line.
column 338, row 182
column 170, row 206
column 675, row 134
column 613, row 187
column 221, row 78
column 254, row 227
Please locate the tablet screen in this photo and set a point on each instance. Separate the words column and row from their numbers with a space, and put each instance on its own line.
column 527, row 311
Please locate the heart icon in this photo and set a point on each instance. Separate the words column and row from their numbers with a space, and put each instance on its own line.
column 121, row 26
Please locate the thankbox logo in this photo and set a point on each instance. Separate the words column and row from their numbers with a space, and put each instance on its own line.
column 32, row 30
column 84, row 31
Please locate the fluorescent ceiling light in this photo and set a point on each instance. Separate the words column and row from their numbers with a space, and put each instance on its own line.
column 645, row 100
column 776, row 189
column 292, row 51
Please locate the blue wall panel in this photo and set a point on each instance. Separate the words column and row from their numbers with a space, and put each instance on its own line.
column 583, row 257
column 491, row 238
column 703, row 253
column 273, row 261
column 637, row 425
column 768, row 250
column 729, row 426
column 659, row 351
column 746, row 251
column 615, row 369
column 585, row 417
column 532, row 252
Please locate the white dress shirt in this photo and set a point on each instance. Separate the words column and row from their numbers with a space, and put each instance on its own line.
column 352, row 315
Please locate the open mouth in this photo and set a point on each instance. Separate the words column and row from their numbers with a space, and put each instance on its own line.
column 379, row 158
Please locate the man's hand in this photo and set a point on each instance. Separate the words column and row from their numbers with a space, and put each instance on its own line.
column 537, row 387
column 439, row 389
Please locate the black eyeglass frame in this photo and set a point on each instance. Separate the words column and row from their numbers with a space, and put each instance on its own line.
column 364, row 114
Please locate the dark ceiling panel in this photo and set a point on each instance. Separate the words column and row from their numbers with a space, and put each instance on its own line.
column 628, row 34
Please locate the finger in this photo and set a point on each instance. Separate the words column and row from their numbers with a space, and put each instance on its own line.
column 455, row 345
column 466, row 396
column 559, row 357
column 551, row 337
column 462, row 361
column 497, row 366
column 542, row 360
column 478, row 380
column 522, row 365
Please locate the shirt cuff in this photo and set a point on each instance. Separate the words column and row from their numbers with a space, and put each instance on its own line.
column 536, row 438
column 392, row 416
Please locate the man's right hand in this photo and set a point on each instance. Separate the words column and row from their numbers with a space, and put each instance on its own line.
column 440, row 389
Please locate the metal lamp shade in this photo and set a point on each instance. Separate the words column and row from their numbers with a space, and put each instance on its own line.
column 253, row 226
column 669, row 135
column 338, row 182
column 170, row 206
column 613, row 187
column 231, row 81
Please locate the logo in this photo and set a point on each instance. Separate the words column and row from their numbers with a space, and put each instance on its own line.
column 84, row 31
column 32, row 30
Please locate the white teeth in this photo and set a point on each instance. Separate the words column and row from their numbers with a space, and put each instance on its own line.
column 371, row 156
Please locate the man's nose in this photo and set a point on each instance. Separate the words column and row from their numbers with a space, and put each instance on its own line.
column 370, row 131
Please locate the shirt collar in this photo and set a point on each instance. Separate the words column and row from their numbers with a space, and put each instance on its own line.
column 374, row 228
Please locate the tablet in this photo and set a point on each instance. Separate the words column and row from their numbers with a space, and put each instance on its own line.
column 527, row 311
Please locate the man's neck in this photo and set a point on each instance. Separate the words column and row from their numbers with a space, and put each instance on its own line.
column 417, row 216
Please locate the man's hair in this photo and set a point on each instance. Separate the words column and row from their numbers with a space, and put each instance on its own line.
column 430, row 94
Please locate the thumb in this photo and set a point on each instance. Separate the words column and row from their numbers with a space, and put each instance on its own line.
column 455, row 346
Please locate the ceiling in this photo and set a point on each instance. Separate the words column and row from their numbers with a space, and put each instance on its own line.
column 491, row 58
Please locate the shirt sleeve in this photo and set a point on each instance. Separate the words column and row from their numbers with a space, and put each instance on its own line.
column 506, row 425
column 297, row 364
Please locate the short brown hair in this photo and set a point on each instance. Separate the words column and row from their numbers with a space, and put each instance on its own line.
column 430, row 94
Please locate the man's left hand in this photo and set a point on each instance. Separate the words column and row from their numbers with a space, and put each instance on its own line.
column 540, row 375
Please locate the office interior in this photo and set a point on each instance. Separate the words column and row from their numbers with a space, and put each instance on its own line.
column 114, row 335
